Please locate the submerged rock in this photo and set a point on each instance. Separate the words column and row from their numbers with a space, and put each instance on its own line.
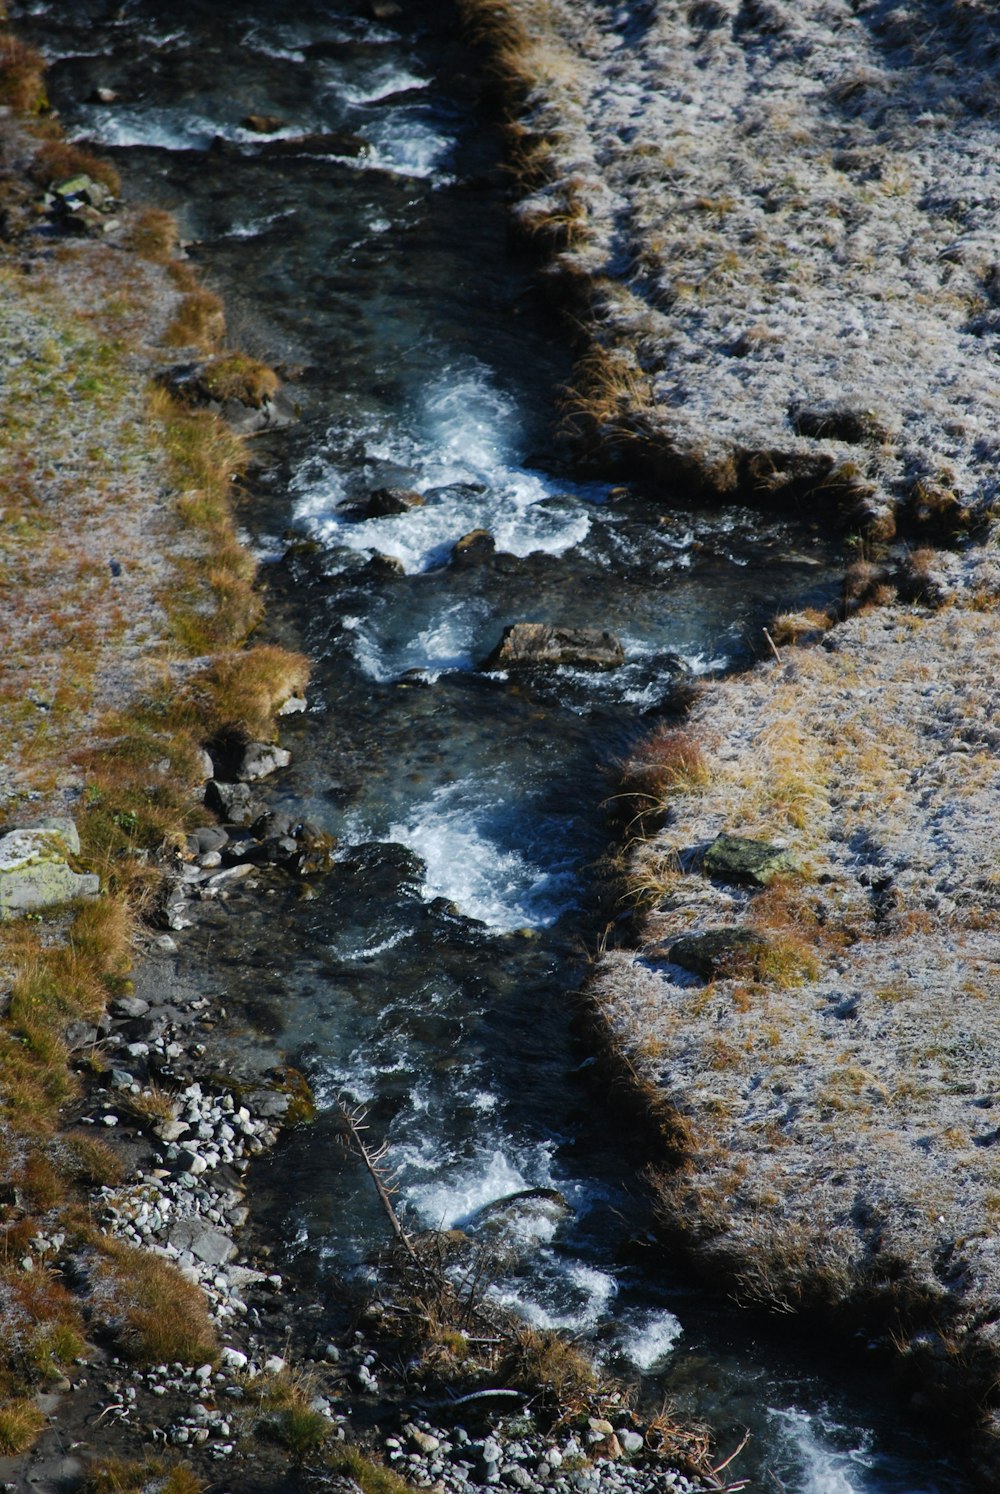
column 734, row 858
column 542, row 645
column 35, row 873
column 522, row 1211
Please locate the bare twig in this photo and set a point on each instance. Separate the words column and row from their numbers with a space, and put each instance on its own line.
column 353, row 1124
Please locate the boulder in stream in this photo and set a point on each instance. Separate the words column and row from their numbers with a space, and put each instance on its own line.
column 543, row 646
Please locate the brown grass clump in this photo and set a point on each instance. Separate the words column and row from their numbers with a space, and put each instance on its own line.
column 287, row 1417
column 546, row 1364
column 58, row 160
column 372, row 1477
column 92, row 1162
column 156, row 1316
column 609, row 392
column 22, row 73
column 665, row 763
column 235, row 376
column 797, row 627
column 119, row 1476
column 245, row 690
column 21, row 1421
column 154, row 235
column 199, row 322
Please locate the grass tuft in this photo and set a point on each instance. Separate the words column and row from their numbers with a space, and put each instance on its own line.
column 154, row 1314
column 57, row 160
column 154, row 235
column 21, row 1421
column 22, row 76
column 151, row 1476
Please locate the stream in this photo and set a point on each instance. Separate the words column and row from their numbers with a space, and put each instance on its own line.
column 431, row 973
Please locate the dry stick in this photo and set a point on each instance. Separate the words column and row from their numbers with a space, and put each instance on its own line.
column 774, row 647
column 353, row 1127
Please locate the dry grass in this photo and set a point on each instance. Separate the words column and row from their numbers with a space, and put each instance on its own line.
column 286, row 1415
column 121, row 1476
column 155, row 1316
column 666, row 763
column 90, row 469
column 608, row 396
column 236, row 376
column 21, row 1422
column 154, row 234
column 372, row 1477
column 22, row 76
column 57, row 160
column 800, row 627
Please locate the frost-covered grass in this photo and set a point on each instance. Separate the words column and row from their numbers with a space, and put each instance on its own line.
column 783, row 218
column 778, row 222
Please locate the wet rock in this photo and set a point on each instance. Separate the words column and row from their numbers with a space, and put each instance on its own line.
column 275, row 412
column 473, row 548
column 384, row 503
column 293, row 706
column 734, row 858
column 34, row 872
column 130, row 1006
column 332, row 143
column 381, row 566
column 522, row 1212
column 717, row 952
column 262, row 124
column 542, row 645
column 206, row 839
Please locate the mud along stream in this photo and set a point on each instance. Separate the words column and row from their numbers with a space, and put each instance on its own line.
column 430, row 974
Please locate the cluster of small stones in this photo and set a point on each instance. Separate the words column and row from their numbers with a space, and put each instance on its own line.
column 600, row 1457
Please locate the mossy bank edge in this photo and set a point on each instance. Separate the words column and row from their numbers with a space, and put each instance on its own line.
column 775, row 226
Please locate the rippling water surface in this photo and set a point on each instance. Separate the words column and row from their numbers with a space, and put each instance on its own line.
column 429, row 976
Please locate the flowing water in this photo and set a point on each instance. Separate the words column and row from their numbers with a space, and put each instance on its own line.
column 430, row 974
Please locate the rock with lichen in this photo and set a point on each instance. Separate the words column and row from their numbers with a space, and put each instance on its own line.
column 34, row 870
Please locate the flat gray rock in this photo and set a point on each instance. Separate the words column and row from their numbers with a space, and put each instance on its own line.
column 34, row 872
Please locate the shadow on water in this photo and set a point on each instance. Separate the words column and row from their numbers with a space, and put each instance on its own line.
column 361, row 239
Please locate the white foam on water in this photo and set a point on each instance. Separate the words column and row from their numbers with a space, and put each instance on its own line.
column 445, row 644
column 256, row 226
column 382, row 946
column 404, row 147
column 461, row 442
column 587, row 1295
column 819, row 1467
column 648, row 1340
column 158, row 129
column 495, row 884
column 386, row 81
column 451, row 1200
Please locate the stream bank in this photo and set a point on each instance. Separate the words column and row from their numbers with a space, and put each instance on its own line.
column 427, row 973
column 765, row 214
